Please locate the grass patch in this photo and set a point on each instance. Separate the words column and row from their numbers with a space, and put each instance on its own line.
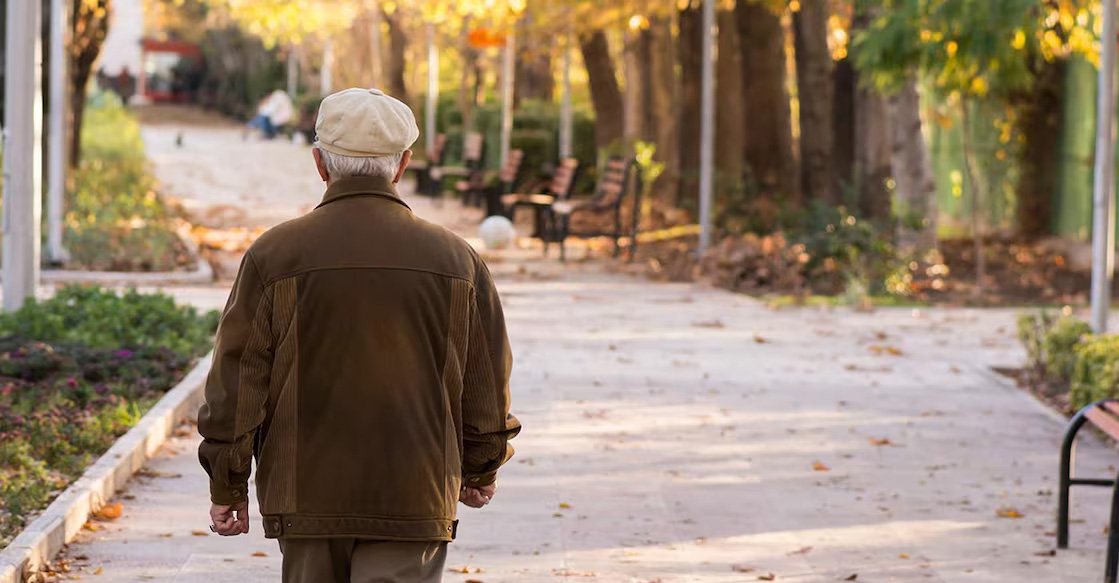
column 76, row 372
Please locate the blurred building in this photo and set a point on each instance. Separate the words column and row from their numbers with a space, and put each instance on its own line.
column 145, row 65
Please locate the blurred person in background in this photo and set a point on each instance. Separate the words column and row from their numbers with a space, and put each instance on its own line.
column 274, row 112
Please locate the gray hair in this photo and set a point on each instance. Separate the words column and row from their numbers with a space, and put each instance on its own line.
column 339, row 166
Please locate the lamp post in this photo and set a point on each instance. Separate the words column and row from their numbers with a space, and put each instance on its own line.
column 432, row 90
column 567, row 117
column 56, row 145
column 707, row 126
column 1103, row 192
column 19, row 270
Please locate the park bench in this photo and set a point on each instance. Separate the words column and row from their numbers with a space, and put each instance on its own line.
column 563, row 181
column 429, row 180
column 604, row 204
column 477, row 191
column 1104, row 415
column 473, row 148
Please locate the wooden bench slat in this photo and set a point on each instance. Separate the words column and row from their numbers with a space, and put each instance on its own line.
column 1111, row 407
column 1104, row 421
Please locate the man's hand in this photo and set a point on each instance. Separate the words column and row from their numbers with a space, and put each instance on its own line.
column 230, row 520
column 477, row 497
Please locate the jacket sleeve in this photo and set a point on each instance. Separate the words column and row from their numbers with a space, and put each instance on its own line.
column 237, row 387
column 487, row 424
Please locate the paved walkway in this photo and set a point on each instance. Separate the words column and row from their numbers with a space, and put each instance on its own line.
column 679, row 433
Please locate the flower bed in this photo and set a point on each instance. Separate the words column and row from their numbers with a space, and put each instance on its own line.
column 76, row 372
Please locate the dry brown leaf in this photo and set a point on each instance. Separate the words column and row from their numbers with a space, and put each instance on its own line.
column 851, row 577
column 98, row 570
column 109, row 511
column 903, row 555
column 760, row 339
column 767, row 577
column 199, row 533
column 820, row 466
column 880, row 442
column 801, row 551
column 1008, row 512
column 739, row 568
column 564, row 505
column 260, row 554
column 718, row 324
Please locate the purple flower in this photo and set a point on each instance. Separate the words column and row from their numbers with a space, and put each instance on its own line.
column 123, row 353
column 72, row 383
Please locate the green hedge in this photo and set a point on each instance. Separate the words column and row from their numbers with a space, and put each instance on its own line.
column 1096, row 371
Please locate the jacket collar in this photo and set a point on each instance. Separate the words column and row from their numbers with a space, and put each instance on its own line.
column 362, row 186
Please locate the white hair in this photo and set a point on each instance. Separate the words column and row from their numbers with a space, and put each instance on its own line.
column 339, row 166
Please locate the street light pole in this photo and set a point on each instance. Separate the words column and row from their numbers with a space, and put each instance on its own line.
column 1103, row 193
column 508, row 71
column 23, row 111
column 707, row 126
column 432, row 90
column 566, row 113
column 56, row 145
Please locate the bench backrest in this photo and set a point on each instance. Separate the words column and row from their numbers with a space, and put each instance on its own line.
column 435, row 151
column 472, row 147
column 563, row 181
column 512, row 168
column 1105, row 416
column 611, row 186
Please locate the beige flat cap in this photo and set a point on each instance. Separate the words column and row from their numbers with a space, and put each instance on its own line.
column 365, row 123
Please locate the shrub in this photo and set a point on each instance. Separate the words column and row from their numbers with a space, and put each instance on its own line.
column 99, row 318
column 1051, row 348
column 114, row 218
column 1096, row 374
column 76, row 372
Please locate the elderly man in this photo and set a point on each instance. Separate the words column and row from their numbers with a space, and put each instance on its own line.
column 362, row 360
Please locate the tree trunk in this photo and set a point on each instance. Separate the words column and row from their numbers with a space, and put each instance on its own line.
column 768, row 125
column 691, row 64
column 398, row 49
column 844, row 80
column 661, row 106
column 915, row 186
column 976, row 188
column 872, row 170
column 729, row 112
column 633, row 95
column 609, row 108
column 1040, row 122
column 89, row 27
column 814, row 87
column 535, row 79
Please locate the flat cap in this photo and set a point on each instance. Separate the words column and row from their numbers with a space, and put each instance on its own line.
column 365, row 123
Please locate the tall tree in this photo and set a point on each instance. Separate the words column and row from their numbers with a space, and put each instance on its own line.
column 397, row 57
column 89, row 27
column 661, row 108
column 609, row 107
column 911, row 167
column 768, row 121
column 690, row 20
column 871, row 164
column 729, row 107
column 815, row 93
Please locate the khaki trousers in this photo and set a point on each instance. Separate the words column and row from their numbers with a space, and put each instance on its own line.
column 347, row 560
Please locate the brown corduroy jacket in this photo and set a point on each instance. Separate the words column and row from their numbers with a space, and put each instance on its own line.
column 362, row 359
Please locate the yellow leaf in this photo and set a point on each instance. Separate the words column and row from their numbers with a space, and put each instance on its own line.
column 1008, row 512
column 109, row 511
column 820, row 466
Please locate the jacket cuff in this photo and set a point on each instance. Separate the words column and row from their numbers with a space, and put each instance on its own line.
column 228, row 495
column 479, row 480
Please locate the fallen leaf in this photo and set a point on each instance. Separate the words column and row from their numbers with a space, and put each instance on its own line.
column 741, row 568
column 820, row 466
column 851, row 577
column 801, row 551
column 109, row 511
column 564, row 505
column 199, row 533
column 98, row 570
column 903, row 556
column 759, row 339
column 880, row 442
column 709, row 324
column 767, row 577
column 260, row 554
column 1008, row 512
